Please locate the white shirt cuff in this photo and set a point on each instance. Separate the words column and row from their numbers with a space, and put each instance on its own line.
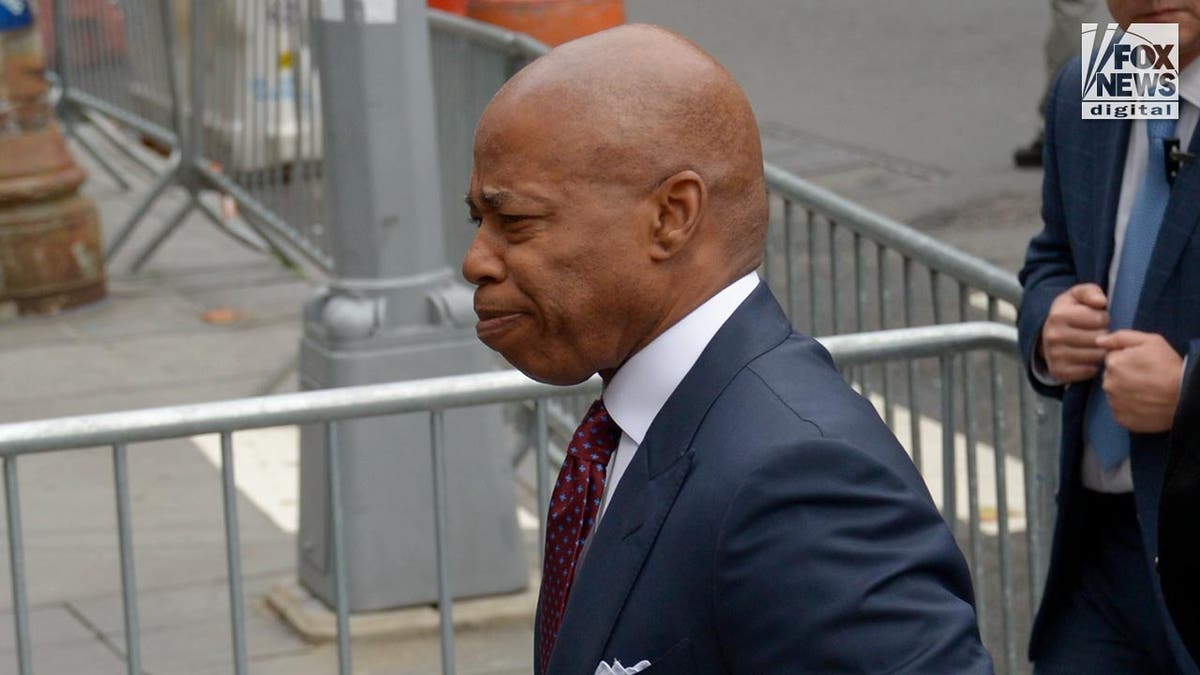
column 1041, row 372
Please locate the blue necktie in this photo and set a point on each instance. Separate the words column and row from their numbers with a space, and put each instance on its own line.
column 1109, row 440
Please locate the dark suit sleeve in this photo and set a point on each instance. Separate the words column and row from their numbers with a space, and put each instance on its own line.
column 1178, row 546
column 830, row 561
column 1049, row 268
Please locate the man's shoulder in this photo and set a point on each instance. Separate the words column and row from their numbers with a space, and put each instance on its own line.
column 790, row 398
column 1068, row 84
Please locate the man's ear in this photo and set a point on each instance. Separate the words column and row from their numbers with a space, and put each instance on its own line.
column 680, row 200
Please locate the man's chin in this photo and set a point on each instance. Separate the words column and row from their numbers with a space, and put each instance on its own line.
column 541, row 372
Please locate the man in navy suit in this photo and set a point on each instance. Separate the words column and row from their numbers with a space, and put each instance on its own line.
column 1107, row 318
column 730, row 505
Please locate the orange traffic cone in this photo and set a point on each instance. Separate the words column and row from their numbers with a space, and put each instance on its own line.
column 452, row 6
column 551, row 21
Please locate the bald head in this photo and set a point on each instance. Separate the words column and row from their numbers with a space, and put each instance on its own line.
column 635, row 104
column 617, row 185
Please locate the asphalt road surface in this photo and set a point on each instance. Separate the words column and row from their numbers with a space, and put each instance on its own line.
column 913, row 107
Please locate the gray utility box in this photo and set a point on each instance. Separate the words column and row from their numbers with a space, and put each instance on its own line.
column 387, row 483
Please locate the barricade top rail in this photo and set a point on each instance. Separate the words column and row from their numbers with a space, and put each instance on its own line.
column 517, row 44
column 938, row 256
column 430, row 394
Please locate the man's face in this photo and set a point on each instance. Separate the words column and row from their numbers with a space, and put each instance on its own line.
column 1186, row 13
column 557, row 260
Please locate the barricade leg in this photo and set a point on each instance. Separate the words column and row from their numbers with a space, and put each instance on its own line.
column 120, row 144
column 163, row 182
column 16, row 557
column 70, row 126
column 237, row 233
column 173, row 224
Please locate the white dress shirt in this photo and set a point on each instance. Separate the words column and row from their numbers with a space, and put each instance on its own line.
column 1120, row 479
column 640, row 387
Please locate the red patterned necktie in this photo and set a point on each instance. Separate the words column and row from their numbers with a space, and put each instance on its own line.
column 572, row 516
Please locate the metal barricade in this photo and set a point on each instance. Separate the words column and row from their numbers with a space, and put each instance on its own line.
column 252, row 77
column 262, row 109
column 255, row 141
column 109, row 61
column 962, row 342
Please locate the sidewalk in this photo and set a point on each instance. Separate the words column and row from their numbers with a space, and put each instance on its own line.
column 149, row 344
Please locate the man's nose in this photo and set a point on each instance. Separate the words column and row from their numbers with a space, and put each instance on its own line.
column 482, row 264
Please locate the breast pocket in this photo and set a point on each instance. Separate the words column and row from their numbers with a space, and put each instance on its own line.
column 676, row 660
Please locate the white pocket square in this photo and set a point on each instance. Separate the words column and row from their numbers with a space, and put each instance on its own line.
column 617, row 669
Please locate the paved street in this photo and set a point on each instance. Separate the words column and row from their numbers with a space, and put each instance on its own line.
column 912, row 108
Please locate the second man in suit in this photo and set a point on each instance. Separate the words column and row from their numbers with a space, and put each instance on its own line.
column 1108, row 315
column 1178, row 545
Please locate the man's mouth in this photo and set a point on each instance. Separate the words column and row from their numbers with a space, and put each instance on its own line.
column 1158, row 16
column 492, row 323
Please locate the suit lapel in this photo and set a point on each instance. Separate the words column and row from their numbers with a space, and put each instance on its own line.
column 1180, row 220
column 614, row 559
column 1105, row 172
column 652, row 481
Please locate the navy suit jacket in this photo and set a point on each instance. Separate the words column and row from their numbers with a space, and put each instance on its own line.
column 1084, row 165
column 770, row 523
column 1178, row 545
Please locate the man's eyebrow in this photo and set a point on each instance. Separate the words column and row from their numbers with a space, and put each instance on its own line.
column 496, row 198
column 491, row 198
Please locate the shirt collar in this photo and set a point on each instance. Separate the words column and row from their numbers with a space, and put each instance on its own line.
column 640, row 387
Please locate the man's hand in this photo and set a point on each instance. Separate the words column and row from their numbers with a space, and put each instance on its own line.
column 1142, row 375
column 1077, row 318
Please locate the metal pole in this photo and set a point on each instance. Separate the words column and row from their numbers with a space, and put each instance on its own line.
column 133, row 654
column 889, row 408
column 1033, row 519
column 788, row 263
column 767, row 253
column 975, row 535
column 949, row 458
column 233, row 554
column 859, row 304
column 1000, row 457
column 1047, row 420
column 833, row 275
column 16, row 561
column 341, row 593
column 914, row 403
column 393, row 310
column 437, row 433
column 810, row 221
column 194, row 139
